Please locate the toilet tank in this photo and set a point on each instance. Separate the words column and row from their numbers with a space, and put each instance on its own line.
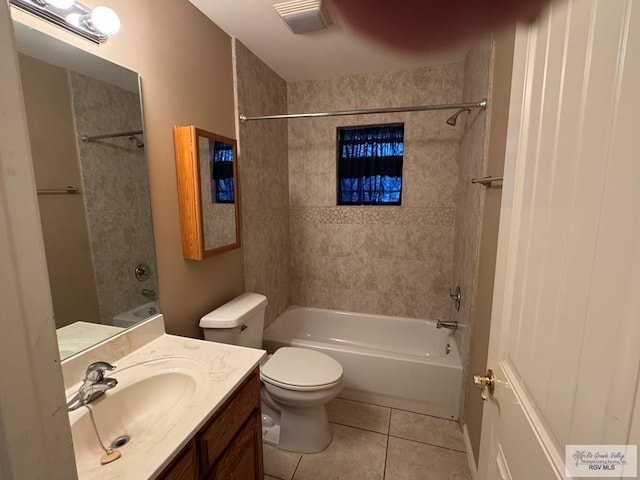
column 238, row 322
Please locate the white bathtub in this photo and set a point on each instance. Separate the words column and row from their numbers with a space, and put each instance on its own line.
column 404, row 363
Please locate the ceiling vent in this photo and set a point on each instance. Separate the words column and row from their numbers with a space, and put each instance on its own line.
column 304, row 16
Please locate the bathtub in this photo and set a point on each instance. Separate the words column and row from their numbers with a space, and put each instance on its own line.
column 403, row 363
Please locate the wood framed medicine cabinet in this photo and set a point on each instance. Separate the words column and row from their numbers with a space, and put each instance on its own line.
column 207, row 174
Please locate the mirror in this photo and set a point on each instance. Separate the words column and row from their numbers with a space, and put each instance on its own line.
column 207, row 172
column 87, row 145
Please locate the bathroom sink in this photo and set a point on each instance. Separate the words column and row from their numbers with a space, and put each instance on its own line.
column 149, row 399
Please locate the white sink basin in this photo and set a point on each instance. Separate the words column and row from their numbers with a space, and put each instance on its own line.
column 149, row 399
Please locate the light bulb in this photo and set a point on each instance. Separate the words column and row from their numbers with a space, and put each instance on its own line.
column 61, row 4
column 75, row 19
column 105, row 20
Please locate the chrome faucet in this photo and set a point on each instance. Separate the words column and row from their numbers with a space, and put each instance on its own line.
column 93, row 385
column 150, row 294
column 450, row 324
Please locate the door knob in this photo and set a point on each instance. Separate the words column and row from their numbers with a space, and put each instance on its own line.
column 486, row 383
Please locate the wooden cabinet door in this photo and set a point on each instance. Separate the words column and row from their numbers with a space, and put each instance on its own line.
column 183, row 467
column 242, row 459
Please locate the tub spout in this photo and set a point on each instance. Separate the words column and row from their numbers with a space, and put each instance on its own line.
column 150, row 294
column 450, row 324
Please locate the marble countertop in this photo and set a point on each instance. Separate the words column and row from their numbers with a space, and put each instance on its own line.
column 224, row 368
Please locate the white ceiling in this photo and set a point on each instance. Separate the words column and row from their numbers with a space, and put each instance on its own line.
column 328, row 53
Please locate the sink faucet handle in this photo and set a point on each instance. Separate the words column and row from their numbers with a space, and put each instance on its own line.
column 95, row 371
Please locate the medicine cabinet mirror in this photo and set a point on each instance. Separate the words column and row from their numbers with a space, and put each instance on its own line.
column 207, row 172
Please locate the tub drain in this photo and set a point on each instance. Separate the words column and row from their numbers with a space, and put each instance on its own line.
column 120, row 441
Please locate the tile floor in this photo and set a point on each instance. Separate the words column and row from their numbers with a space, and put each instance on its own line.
column 377, row 443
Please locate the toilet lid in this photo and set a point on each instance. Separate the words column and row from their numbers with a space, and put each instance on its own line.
column 300, row 367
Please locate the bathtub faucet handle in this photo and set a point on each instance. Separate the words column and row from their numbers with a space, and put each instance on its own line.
column 456, row 297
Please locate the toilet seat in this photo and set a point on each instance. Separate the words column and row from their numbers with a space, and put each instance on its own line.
column 301, row 369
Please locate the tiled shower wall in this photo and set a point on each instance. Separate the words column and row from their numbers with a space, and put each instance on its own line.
column 116, row 188
column 470, row 198
column 379, row 259
column 263, row 168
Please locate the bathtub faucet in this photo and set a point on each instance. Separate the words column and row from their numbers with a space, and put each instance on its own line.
column 150, row 294
column 450, row 324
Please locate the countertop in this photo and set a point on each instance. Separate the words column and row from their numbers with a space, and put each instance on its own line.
column 224, row 366
column 80, row 335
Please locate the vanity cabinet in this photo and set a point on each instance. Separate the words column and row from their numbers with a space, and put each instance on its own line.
column 229, row 446
column 183, row 466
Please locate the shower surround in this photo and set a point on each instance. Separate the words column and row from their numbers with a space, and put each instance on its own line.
column 116, row 192
column 388, row 260
column 299, row 247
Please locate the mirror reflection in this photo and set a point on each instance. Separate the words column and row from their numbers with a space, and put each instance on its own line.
column 207, row 173
column 217, row 192
column 87, row 145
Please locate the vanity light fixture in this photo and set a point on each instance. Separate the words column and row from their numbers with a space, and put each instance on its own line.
column 61, row 4
column 94, row 25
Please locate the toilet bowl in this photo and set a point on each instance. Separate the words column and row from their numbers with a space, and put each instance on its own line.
column 297, row 383
column 296, row 386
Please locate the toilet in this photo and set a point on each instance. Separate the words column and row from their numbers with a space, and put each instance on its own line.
column 297, row 383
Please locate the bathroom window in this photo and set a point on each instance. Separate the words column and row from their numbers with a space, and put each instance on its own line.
column 370, row 165
column 221, row 158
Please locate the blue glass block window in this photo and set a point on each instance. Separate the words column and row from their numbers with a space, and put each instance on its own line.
column 370, row 165
column 221, row 159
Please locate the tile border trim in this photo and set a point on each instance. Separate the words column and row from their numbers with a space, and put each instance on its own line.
column 443, row 216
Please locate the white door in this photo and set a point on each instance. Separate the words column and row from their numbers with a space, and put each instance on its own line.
column 565, row 335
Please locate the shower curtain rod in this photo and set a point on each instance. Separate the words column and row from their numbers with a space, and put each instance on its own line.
column 482, row 104
column 87, row 138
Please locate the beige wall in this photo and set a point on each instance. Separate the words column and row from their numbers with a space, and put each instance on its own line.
column 470, row 198
column 385, row 260
column 35, row 439
column 184, row 62
column 499, row 93
column 264, row 188
column 55, row 161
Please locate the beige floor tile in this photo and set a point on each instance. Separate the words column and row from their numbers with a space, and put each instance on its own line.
column 279, row 463
column 354, row 454
column 423, row 428
column 267, row 477
column 361, row 415
column 407, row 460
